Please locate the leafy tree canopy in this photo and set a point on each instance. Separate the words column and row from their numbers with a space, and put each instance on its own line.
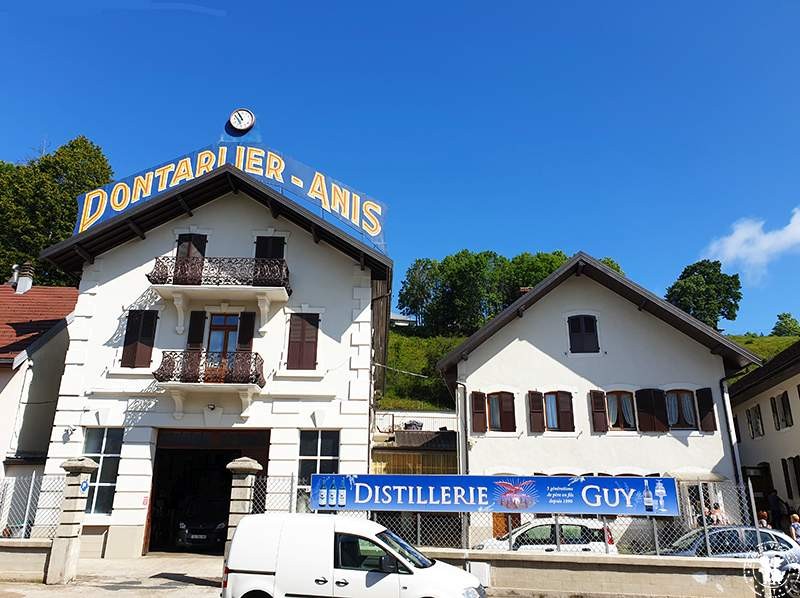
column 787, row 325
column 38, row 208
column 705, row 292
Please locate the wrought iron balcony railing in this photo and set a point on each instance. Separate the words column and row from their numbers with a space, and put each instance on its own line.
column 245, row 271
column 199, row 365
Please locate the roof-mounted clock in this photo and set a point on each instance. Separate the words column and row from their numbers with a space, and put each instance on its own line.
column 242, row 120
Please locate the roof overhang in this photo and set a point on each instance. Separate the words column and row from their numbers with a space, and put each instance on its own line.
column 72, row 253
column 581, row 264
column 781, row 367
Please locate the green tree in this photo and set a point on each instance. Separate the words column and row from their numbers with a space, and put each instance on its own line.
column 416, row 290
column 787, row 325
column 705, row 292
column 612, row 263
column 528, row 270
column 38, row 207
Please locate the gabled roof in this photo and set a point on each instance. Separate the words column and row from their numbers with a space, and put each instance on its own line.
column 28, row 317
column 781, row 367
column 73, row 252
column 582, row 264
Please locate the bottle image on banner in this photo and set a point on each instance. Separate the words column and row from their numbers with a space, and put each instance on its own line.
column 660, row 493
column 647, row 497
column 323, row 492
column 341, row 498
column 332, row 493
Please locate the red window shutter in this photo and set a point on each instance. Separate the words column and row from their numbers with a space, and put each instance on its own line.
column 705, row 405
column 132, row 329
column 247, row 323
column 536, row 411
column 599, row 417
column 644, row 410
column 303, row 333
column 197, row 329
column 507, row 421
column 566, row 421
column 478, row 412
column 660, row 421
column 147, row 337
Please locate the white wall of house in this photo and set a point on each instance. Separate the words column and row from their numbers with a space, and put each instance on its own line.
column 774, row 445
column 97, row 392
column 11, row 384
column 637, row 350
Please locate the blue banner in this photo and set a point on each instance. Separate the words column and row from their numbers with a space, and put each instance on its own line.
column 357, row 214
column 580, row 495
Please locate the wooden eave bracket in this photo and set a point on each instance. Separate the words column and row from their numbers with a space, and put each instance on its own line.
column 184, row 206
column 233, row 187
column 85, row 255
column 135, row 228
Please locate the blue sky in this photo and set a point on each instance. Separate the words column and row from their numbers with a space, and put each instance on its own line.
column 639, row 130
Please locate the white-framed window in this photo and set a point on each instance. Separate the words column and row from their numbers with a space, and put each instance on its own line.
column 103, row 446
column 319, row 453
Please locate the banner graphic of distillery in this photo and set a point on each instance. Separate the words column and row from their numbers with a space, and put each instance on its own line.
column 349, row 209
column 580, row 495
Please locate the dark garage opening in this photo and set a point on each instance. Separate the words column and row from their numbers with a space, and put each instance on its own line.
column 191, row 486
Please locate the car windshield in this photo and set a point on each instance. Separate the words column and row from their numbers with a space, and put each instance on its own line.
column 419, row 560
column 685, row 542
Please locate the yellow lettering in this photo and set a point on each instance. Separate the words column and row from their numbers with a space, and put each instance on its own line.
column 142, row 186
column 318, row 190
column 253, row 162
column 239, row 156
column 205, row 162
column 355, row 209
column 162, row 173
column 340, row 200
column 120, row 197
column 223, row 155
column 371, row 224
column 88, row 218
column 275, row 166
column 183, row 172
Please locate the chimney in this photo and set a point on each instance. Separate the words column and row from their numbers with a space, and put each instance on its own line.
column 524, row 290
column 25, row 278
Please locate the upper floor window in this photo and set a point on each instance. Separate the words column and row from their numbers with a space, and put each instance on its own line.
column 191, row 245
column 681, row 410
column 302, row 350
column 754, row 424
column 583, row 334
column 103, row 446
column 781, row 411
column 140, row 333
column 620, row 410
column 269, row 247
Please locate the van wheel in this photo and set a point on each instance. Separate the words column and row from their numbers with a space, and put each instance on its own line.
column 256, row 594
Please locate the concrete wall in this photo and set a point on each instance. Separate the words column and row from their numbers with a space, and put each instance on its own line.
column 601, row 575
column 774, row 445
column 24, row 560
column 637, row 350
column 96, row 391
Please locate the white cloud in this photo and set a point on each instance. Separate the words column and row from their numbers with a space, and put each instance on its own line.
column 752, row 249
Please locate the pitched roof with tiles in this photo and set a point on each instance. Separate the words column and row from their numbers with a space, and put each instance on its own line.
column 26, row 317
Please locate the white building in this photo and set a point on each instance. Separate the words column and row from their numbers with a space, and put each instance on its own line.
column 765, row 403
column 216, row 320
column 590, row 374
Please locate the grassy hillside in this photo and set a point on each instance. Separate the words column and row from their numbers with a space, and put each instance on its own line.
column 766, row 347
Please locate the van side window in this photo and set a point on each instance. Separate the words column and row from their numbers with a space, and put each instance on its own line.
column 354, row 552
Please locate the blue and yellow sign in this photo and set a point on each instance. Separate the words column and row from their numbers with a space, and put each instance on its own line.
column 351, row 210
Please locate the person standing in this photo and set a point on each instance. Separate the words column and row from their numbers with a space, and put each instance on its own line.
column 794, row 527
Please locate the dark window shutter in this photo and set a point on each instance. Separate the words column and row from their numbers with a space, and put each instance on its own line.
column 478, row 412
column 775, row 418
column 507, row 420
column 590, row 342
column 788, row 419
column 310, row 341
column 705, row 405
column 302, row 353
column 247, row 323
column 147, row 337
column 536, row 411
column 736, row 429
column 566, row 421
column 132, row 330
column 796, row 464
column 660, row 421
column 599, row 417
column 583, row 334
column 269, row 247
column 197, row 328
column 575, row 325
column 787, row 480
column 644, row 410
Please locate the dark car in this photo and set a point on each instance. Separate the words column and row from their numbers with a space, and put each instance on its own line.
column 203, row 525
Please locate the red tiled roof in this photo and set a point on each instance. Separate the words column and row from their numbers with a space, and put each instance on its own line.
column 26, row 317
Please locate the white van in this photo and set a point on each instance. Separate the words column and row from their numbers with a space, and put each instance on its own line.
column 292, row 554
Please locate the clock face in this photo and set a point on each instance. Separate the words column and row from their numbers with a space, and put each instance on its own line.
column 242, row 119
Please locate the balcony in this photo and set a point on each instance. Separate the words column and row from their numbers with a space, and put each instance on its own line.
column 184, row 279
column 199, row 370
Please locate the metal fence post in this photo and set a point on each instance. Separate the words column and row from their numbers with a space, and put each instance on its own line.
column 703, row 515
column 464, row 532
column 755, row 514
column 606, row 532
column 558, row 533
column 26, row 529
column 292, row 493
column 655, row 535
column 419, row 531
column 508, row 526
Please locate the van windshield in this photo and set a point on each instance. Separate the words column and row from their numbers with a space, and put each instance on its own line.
column 419, row 560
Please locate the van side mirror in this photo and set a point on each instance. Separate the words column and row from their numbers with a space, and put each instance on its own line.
column 388, row 564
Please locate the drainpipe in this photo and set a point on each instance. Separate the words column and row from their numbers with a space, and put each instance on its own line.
column 463, row 446
column 726, row 401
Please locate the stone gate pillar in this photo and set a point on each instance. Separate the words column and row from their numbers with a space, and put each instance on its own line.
column 63, row 564
column 243, row 470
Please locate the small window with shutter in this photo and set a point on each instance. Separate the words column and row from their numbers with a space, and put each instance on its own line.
column 621, row 413
column 558, row 411
column 303, row 333
column 140, row 332
column 501, row 412
column 583, row 334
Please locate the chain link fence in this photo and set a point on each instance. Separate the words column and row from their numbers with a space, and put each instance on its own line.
column 707, row 509
column 30, row 506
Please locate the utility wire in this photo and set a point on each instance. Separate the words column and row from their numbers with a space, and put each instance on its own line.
column 380, row 365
